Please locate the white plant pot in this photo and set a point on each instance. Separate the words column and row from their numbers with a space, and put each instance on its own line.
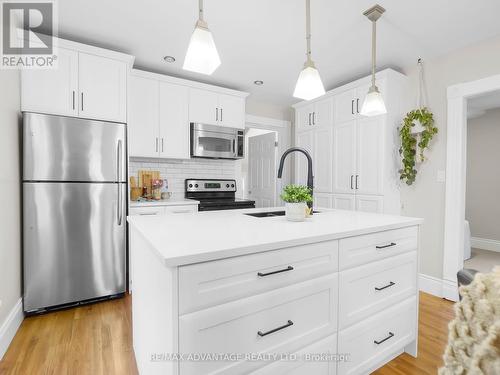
column 295, row 211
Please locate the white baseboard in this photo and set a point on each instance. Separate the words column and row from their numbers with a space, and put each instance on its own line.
column 10, row 326
column 438, row 287
column 485, row 244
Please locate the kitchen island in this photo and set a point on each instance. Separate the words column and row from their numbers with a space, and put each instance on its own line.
column 227, row 293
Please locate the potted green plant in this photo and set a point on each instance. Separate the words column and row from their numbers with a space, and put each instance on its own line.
column 296, row 198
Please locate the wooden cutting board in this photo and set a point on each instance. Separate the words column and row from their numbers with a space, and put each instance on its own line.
column 146, row 178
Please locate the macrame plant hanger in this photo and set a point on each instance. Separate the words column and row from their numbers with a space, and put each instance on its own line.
column 417, row 129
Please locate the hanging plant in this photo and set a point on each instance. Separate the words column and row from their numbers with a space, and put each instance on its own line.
column 413, row 144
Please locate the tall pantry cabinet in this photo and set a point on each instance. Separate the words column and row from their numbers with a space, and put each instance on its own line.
column 356, row 158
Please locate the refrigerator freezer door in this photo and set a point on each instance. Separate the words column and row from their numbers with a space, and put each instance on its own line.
column 69, row 149
column 74, row 242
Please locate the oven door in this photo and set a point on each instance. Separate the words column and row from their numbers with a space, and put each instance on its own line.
column 211, row 142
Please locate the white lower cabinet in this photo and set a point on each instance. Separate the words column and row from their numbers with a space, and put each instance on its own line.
column 314, row 359
column 322, row 200
column 378, row 339
column 344, row 201
column 344, row 306
column 163, row 210
column 279, row 321
column 370, row 203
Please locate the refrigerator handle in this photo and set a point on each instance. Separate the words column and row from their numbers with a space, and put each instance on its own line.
column 118, row 174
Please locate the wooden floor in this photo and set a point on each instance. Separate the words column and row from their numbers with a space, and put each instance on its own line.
column 96, row 340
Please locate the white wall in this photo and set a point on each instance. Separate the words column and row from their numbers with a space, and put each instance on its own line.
column 483, row 175
column 10, row 214
column 427, row 196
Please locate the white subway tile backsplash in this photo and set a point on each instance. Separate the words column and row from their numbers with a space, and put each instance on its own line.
column 176, row 171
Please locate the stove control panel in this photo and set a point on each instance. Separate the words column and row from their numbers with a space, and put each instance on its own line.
column 196, row 185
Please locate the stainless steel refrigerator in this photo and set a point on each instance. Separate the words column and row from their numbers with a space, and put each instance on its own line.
column 74, row 210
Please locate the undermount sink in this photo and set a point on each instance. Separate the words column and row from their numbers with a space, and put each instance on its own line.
column 271, row 213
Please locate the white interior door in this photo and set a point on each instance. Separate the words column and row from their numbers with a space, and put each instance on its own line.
column 262, row 169
column 103, row 88
column 344, row 159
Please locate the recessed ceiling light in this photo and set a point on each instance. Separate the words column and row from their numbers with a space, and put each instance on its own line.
column 258, row 82
column 169, row 59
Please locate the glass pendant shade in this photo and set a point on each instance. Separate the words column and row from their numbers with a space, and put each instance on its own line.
column 309, row 85
column 201, row 56
column 374, row 103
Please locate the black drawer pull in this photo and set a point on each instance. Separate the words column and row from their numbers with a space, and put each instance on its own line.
column 387, row 286
column 387, row 338
column 262, row 334
column 289, row 268
column 384, row 246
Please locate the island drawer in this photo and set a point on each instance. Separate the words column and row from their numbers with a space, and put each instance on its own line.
column 371, row 247
column 280, row 321
column 208, row 284
column 370, row 288
column 315, row 359
column 375, row 340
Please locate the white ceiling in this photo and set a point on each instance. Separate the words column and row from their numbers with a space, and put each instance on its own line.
column 264, row 39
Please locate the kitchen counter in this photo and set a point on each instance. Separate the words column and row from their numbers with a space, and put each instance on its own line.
column 192, row 238
column 227, row 283
column 165, row 202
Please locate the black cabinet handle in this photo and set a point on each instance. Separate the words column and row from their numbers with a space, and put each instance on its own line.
column 73, row 99
column 357, row 105
column 289, row 268
column 357, row 181
column 262, row 334
column 352, row 185
column 352, row 106
column 309, row 119
column 385, row 287
column 314, row 118
column 216, row 114
column 82, row 101
column 387, row 338
column 221, row 113
column 385, row 246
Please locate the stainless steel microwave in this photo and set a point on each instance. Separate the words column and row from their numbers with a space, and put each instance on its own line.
column 216, row 142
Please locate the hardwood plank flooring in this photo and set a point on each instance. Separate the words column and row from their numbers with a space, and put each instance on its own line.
column 97, row 340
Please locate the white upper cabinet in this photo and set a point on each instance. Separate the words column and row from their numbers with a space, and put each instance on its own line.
column 355, row 157
column 317, row 114
column 304, row 140
column 370, row 155
column 88, row 82
column 203, row 106
column 210, row 107
column 322, row 157
column 52, row 91
column 103, row 88
column 143, row 117
column 231, row 111
column 344, row 157
column 174, row 125
column 345, row 106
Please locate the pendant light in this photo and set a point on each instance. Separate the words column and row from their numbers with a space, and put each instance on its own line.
column 374, row 103
column 201, row 56
column 309, row 85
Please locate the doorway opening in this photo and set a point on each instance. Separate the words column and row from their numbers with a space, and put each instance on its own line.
column 482, row 208
column 459, row 96
column 258, row 168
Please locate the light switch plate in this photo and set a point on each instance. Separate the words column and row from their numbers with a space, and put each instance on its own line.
column 441, row 176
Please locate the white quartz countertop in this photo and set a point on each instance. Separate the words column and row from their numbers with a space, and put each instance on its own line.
column 180, row 239
column 165, row 202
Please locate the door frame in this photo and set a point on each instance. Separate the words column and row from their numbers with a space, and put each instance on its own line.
column 456, row 173
column 283, row 128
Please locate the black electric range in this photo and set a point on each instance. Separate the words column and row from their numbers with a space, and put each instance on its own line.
column 216, row 195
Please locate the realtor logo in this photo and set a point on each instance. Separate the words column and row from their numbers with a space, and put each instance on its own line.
column 28, row 30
